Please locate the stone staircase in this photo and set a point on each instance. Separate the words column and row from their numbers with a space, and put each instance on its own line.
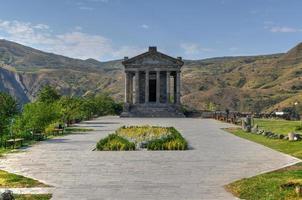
column 153, row 110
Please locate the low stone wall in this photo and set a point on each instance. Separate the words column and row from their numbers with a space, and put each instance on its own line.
column 247, row 127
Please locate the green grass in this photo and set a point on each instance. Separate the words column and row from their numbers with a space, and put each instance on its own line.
column 70, row 130
column 269, row 186
column 10, row 180
column 293, row 148
column 278, row 126
column 33, row 196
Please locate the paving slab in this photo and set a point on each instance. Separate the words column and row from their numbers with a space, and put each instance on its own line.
column 215, row 159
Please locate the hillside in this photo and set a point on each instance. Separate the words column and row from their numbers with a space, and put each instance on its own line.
column 246, row 83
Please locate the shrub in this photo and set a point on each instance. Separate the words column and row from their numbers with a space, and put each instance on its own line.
column 114, row 142
column 50, row 129
column 174, row 141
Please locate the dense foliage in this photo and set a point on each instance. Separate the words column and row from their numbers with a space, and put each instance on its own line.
column 48, row 94
column 113, row 142
column 51, row 110
column 8, row 109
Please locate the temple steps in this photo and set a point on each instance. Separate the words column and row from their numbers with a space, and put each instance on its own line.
column 153, row 110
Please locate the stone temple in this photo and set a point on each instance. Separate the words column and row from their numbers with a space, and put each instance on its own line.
column 152, row 85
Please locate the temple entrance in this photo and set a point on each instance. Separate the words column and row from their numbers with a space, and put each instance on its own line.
column 152, row 90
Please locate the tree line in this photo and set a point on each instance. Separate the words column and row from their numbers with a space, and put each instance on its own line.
column 50, row 110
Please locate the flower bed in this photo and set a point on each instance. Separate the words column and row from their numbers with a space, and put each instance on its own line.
column 143, row 137
column 173, row 141
column 113, row 142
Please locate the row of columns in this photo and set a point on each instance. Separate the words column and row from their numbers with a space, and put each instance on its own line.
column 129, row 87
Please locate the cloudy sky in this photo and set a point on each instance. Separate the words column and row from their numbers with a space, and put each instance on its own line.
column 193, row 29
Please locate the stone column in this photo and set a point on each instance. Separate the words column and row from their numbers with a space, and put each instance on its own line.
column 147, row 87
column 168, row 87
column 126, row 87
column 137, row 87
column 177, row 87
column 131, row 88
column 174, row 88
column 157, row 86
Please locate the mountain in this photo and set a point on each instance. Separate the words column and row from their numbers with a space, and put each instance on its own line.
column 33, row 69
column 245, row 83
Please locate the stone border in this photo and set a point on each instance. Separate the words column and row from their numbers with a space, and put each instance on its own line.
column 28, row 190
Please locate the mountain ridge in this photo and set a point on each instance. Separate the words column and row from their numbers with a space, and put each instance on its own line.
column 243, row 83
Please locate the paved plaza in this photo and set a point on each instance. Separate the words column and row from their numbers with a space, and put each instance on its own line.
column 76, row 172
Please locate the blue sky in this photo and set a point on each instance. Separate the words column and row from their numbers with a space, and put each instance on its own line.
column 193, row 29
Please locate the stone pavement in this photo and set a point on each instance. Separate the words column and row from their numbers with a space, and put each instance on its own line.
column 77, row 172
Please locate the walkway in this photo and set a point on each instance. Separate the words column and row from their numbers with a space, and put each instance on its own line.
column 77, row 172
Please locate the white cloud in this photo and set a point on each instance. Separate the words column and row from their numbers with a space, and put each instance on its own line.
column 75, row 44
column 145, row 26
column 284, row 29
column 193, row 49
column 41, row 26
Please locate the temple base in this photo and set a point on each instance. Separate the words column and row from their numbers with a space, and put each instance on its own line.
column 153, row 110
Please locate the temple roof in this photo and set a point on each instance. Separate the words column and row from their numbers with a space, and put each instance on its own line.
column 153, row 58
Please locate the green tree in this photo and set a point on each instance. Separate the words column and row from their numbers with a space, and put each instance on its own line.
column 8, row 109
column 105, row 105
column 88, row 108
column 70, row 109
column 48, row 94
column 37, row 116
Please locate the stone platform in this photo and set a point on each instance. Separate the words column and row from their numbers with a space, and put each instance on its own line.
column 153, row 110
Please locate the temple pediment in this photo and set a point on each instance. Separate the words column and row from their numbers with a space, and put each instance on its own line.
column 153, row 58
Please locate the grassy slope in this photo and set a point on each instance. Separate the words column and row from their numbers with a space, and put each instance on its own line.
column 16, row 181
column 284, row 146
column 268, row 186
column 278, row 126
